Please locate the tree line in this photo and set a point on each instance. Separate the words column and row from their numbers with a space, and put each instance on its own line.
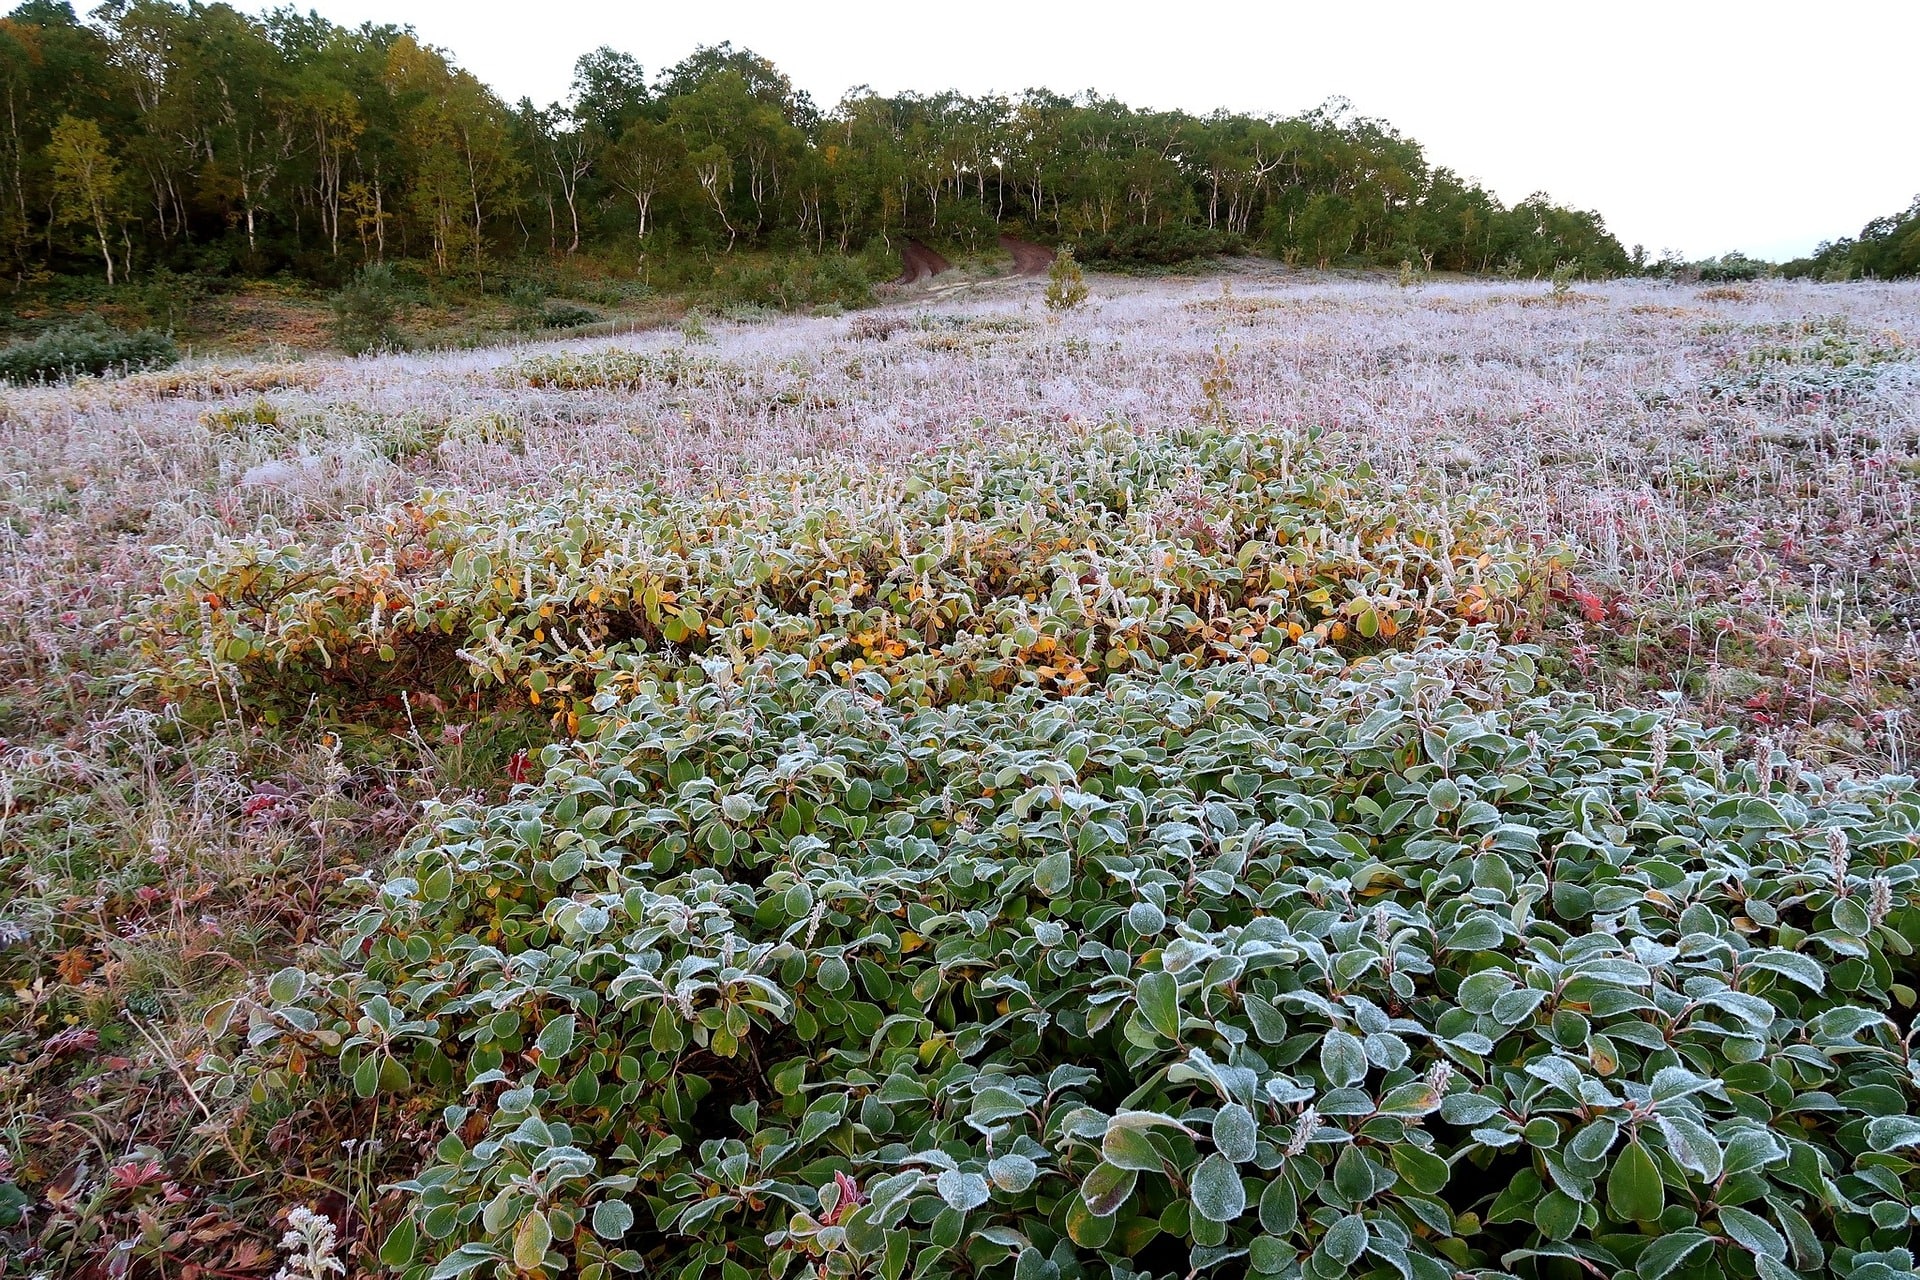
column 1886, row 249
column 197, row 138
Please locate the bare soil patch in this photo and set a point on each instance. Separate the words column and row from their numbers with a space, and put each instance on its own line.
column 918, row 263
column 1029, row 259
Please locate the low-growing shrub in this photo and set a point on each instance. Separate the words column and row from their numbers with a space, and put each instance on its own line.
column 1163, row 246
column 567, row 315
column 605, row 292
column 241, row 420
column 366, row 313
column 980, row 570
column 879, row 327
column 1294, row 969
column 1066, row 283
column 530, row 310
column 1811, row 361
column 793, row 282
column 208, row 382
column 71, row 351
column 526, row 304
column 615, row 369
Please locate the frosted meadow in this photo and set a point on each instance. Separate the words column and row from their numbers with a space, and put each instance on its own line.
column 698, row 793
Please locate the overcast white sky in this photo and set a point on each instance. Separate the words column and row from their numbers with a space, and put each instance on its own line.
column 1698, row 125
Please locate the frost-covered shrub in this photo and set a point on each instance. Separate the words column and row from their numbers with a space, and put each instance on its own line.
column 567, row 315
column 366, row 313
column 614, row 369
column 793, row 283
column 981, row 570
column 1066, row 283
column 1809, row 362
column 1296, row 969
column 70, row 351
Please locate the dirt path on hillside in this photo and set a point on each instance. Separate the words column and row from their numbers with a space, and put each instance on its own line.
column 1029, row 259
column 918, row 263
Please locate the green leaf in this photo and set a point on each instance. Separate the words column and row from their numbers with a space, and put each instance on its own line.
column 1749, row 1150
column 1415, row 1098
column 1158, row 994
column 963, row 1191
column 1146, row 919
column 1012, row 1172
column 1128, row 1147
column 1346, row 1240
column 996, row 1104
column 1790, row 964
column 1353, row 1176
column 1088, row 1229
column 1269, row 1255
column 612, row 1219
column 1468, row 1109
column 1691, row 1144
column 1053, row 874
column 556, row 1038
column 1753, row 1233
column 401, row 1243
column 1480, row 931
column 1634, row 1191
column 1105, row 1188
column 286, row 986
column 834, row 974
column 1891, row 1133
column 667, row 1036
column 1668, row 1251
column 1279, row 1207
column 394, row 1076
column 1031, row 1264
column 1343, row 1059
column 464, row 1259
column 1557, row 1214
column 1235, row 1133
column 1424, row 1171
column 1216, row 1191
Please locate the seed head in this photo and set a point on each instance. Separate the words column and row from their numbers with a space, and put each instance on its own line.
column 1880, row 906
column 1303, row 1131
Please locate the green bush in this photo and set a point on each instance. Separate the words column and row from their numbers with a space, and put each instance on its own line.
column 1162, row 246
column 1066, row 283
column 604, row 292
column 1732, row 268
column 793, row 282
column 567, row 315
column 527, row 303
column 1295, row 970
column 70, row 351
column 366, row 313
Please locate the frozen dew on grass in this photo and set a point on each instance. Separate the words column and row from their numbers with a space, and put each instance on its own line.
column 1735, row 470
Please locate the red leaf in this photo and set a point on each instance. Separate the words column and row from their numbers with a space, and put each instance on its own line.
column 520, row 766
